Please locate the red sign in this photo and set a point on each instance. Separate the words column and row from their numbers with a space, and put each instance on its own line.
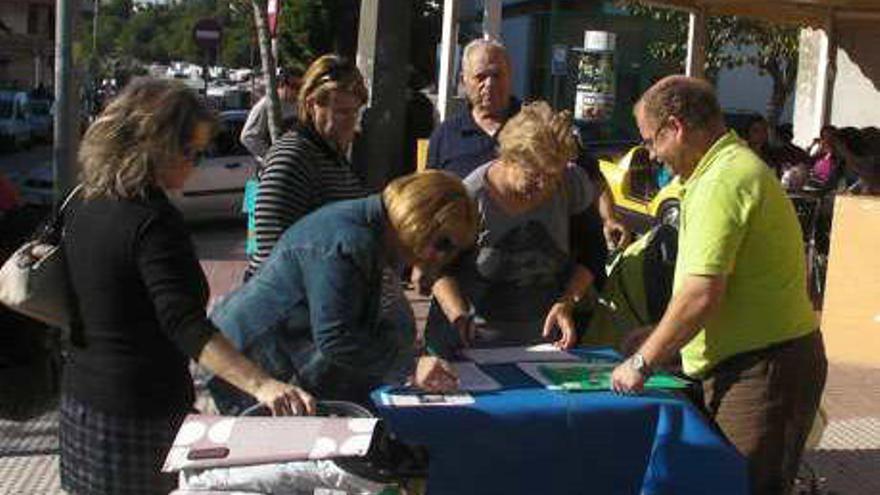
column 272, row 9
column 207, row 34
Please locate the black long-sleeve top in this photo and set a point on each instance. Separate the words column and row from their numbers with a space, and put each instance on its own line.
column 140, row 294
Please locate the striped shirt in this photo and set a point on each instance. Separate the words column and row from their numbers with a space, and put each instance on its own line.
column 302, row 174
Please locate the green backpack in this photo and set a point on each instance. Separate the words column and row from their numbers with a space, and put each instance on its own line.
column 638, row 288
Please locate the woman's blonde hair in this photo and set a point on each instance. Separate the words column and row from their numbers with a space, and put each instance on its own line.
column 327, row 73
column 424, row 206
column 149, row 125
column 538, row 137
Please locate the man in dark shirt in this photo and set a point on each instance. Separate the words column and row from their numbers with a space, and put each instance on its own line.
column 468, row 140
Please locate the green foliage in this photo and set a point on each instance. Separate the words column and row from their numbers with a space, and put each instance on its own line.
column 772, row 48
column 130, row 35
column 304, row 32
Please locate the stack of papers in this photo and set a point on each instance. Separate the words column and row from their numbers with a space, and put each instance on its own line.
column 502, row 355
column 470, row 379
column 590, row 377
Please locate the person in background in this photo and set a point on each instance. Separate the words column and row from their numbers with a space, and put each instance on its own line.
column 826, row 164
column 308, row 167
column 255, row 132
column 859, row 151
column 140, row 296
column 312, row 314
column 758, row 139
column 522, row 281
column 468, row 139
column 739, row 315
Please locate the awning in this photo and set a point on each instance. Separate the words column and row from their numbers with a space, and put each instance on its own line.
column 802, row 12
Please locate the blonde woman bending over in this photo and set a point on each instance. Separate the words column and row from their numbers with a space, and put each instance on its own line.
column 521, row 283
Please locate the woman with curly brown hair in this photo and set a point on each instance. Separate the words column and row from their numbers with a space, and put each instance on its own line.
column 140, row 298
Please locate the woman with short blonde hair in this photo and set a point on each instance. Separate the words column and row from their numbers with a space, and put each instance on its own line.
column 140, row 297
column 312, row 312
column 522, row 280
column 538, row 137
column 432, row 204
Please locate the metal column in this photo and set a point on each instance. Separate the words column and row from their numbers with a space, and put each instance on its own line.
column 696, row 49
column 448, row 48
column 492, row 19
column 382, row 57
column 66, row 98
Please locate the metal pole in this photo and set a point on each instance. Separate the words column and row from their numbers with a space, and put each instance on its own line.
column 492, row 19
column 66, row 121
column 448, row 45
column 696, row 49
column 97, row 8
column 549, row 37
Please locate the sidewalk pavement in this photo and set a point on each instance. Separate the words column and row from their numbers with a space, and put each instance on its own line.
column 845, row 462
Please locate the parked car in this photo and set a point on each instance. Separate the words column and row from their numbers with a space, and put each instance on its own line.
column 15, row 128
column 605, row 140
column 213, row 191
column 640, row 195
column 216, row 187
column 40, row 119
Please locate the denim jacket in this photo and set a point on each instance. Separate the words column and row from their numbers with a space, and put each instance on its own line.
column 311, row 314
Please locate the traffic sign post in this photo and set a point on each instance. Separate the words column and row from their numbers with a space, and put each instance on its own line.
column 208, row 34
column 272, row 10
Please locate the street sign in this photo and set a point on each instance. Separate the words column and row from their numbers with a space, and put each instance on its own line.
column 272, row 10
column 207, row 33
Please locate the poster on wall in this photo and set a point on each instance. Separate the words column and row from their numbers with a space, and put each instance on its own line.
column 594, row 99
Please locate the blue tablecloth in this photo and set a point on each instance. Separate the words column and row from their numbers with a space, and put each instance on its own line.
column 530, row 440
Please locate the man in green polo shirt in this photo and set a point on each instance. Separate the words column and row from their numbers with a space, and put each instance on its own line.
column 740, row 315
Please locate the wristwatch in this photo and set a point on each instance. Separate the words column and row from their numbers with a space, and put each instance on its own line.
column 637, row 362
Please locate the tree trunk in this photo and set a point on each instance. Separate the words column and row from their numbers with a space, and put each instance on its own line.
column 783, row 85
column 262, row 25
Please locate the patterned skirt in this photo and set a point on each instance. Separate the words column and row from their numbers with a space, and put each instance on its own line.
column 111, row 454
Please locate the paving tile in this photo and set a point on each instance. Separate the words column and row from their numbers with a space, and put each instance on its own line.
column 30, row 475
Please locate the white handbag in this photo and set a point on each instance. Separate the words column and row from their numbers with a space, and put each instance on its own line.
column 34, row 280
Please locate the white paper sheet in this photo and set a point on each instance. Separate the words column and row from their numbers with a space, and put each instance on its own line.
column 426, row 400
column 472, row 379
column 499, row 355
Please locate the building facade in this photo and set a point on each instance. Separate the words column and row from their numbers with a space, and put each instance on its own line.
column 27, row 38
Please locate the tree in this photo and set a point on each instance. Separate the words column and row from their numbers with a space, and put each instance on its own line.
column 261, row 22
column 771, row 48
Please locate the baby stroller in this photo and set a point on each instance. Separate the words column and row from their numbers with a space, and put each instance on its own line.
column 388, row 468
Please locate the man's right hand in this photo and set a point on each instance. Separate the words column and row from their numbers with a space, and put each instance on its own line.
column 285, row 399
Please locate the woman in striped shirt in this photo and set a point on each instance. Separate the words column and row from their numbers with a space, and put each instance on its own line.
column 307, row 168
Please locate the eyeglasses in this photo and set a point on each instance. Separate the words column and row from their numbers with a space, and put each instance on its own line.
column 648, row 144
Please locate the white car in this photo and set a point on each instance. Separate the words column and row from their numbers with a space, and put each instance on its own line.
column 215, row 189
